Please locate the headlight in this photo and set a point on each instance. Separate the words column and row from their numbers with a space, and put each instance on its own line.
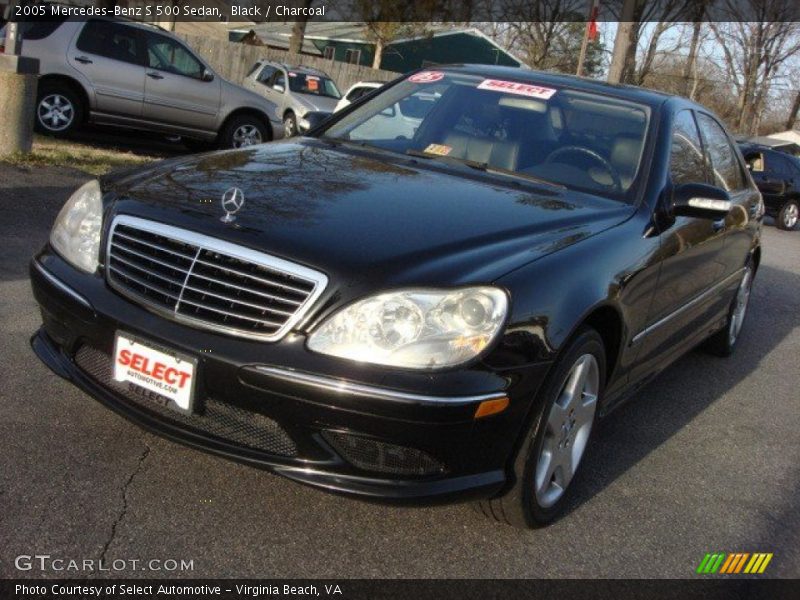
column 76, row 233
column 416, row 329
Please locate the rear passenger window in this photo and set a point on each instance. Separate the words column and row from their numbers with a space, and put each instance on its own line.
column 112, row 40
column 686, row 157
column 39, row 30
column 725, row 166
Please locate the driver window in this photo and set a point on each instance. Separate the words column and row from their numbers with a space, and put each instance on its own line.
column 266, row 74
column 686, row 156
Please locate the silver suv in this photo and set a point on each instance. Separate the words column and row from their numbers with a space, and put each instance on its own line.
column 296, row 91
column 139, row 76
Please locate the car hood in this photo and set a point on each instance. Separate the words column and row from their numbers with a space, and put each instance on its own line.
column 315, row 103
column 366, row 219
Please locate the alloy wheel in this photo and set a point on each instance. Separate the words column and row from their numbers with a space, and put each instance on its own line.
column 56, row 112
column 289, row 128
column 567, row 430
column 790, row 216
column 246, row 135
column 740, row 307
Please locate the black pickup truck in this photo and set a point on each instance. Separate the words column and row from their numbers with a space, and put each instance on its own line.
column 777, row 175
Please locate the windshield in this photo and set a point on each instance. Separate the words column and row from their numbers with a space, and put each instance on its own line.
column 567, row 137
column 302, row 83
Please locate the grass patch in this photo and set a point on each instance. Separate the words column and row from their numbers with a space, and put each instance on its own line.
column 51, row 152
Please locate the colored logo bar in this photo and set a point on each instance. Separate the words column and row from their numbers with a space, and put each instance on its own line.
column 733, row 563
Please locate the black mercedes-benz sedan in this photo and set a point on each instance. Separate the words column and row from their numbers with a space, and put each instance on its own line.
column 434, row 295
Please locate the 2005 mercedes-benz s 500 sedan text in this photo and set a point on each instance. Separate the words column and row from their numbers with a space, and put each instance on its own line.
column 435, row 295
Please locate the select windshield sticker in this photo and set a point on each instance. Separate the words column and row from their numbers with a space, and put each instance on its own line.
column 438, row 149
column 514, row 87
column 427, row 77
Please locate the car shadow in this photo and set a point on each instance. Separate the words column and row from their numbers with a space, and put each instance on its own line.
column 140, row 143
column 685, row 389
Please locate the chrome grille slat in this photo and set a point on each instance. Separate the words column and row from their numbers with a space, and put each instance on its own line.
column 231, row 285
column 254, row 277
column 154, row 246
column 149, row 258
column 140, row 268
column 146, row 284
column 237, row 301
column 229, row 313
column 207, row 282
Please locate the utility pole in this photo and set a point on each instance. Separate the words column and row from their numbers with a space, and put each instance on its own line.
column 589, row 33
column 18, row 79
column 622, row 41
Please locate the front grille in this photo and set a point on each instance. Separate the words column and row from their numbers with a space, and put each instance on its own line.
column 207, row 282
column 227, row 422
column 381, row 457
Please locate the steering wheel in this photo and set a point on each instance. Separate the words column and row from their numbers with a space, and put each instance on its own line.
column 612, row 172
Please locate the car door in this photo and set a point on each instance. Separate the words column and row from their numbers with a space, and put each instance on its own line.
column 728, row 173
column 176, row 91
column 765, row 168
column 261, row 80
column 691, row 251
column 111, row 57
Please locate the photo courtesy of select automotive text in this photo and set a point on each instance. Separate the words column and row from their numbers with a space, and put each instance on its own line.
column 413, row 299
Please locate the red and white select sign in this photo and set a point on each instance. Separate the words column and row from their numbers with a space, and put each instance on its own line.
column 515, row 87
column 427, row 77
column 154, row 370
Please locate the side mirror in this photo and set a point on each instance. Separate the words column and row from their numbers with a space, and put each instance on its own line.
column 278, row 87
column 701, row 201
column 208, row 75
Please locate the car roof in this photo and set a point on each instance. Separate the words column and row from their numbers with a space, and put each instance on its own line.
column 298, row 68
column 633, row 93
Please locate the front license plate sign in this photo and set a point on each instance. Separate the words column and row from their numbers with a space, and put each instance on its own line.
column 156, row 369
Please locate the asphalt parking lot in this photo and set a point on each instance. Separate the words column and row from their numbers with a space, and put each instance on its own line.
column 707, row 458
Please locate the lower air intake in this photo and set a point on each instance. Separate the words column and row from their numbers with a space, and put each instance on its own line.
column 225, row 421
column 373, row 455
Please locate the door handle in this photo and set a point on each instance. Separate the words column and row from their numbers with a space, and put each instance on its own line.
column 154, row 75
column 83, row 60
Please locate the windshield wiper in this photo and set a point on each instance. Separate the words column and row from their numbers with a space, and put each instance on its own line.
column 483, row 166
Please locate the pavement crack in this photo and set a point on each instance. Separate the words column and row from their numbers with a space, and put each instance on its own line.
column 124, row 509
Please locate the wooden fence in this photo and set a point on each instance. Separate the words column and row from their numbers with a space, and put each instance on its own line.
column 233, row 61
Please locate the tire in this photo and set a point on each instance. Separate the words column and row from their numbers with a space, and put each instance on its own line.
column 59, row 109
column 788, row 216
column 289, row 125
column 539, row 494
column 242, row 131
column 723, row 342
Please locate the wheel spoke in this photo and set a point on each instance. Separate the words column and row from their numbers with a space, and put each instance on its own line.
column 567, row 429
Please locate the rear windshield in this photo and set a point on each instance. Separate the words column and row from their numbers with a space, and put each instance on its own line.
column 580, row 140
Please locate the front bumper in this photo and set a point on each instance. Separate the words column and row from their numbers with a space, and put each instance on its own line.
column 364, row 431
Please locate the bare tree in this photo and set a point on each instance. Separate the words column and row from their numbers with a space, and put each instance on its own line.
column 755, row 51
column 642, row 44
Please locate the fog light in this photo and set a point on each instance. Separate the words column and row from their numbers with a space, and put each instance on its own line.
column 491, row 407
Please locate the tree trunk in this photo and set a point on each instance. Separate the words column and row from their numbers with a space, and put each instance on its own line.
column 622, row 42
column 793, row 113
column 689, row 68
column 298, row 33
column 376, row 61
